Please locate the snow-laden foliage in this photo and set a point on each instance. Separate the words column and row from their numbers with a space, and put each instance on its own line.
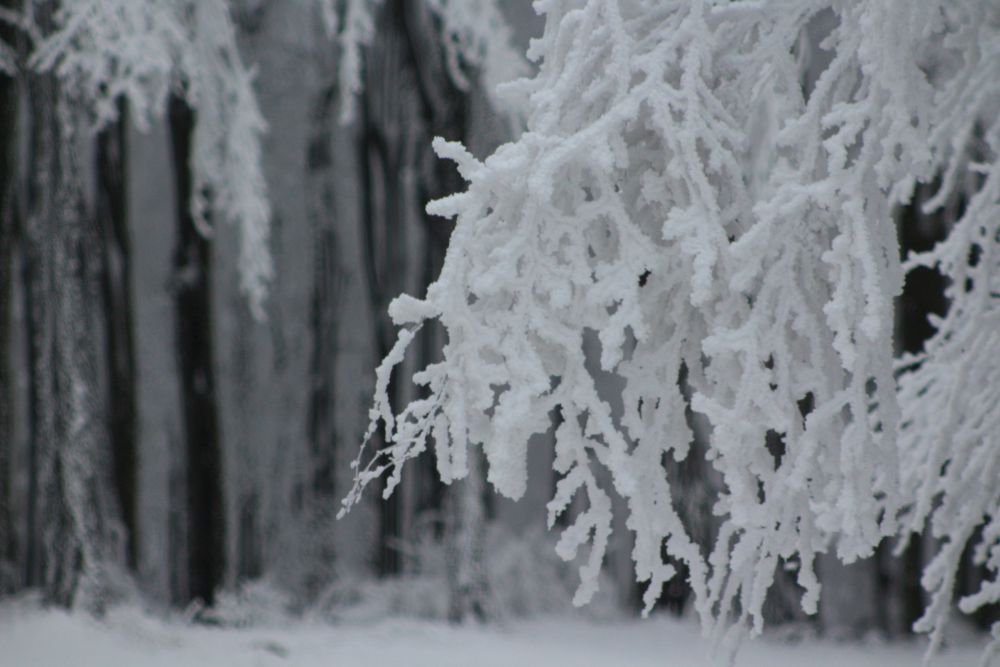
column 709, row 186
column 143, row 51
column 102, row 51
column 226, row 157
column 950, row 393
column 477, row 36
column 353, row 33
column 147, row 53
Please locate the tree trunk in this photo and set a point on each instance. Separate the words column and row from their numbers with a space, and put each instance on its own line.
column 116, row 285
column 465, row 544
column 9, row 579
column 324, row 305
column 72, row 516
column 409, row 98
column 192, row 261
column 318, row 493
column 385, row 119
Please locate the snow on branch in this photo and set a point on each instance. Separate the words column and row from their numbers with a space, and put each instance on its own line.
column 106, row 50
column 713, row 204
column 143, row 51
column 353, row 33
column 227, row 160
column 477, row 36
column 950, row 436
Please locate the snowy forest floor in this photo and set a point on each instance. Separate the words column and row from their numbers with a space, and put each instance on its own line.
column 33, row 637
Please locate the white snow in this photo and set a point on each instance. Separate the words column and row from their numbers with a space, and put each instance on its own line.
column 30, row 637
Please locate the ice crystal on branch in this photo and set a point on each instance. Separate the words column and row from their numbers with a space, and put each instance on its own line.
column 950, row 393
column 708, row 187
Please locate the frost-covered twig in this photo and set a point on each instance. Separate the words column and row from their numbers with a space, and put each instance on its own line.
column 692, row 191
column 950, row 436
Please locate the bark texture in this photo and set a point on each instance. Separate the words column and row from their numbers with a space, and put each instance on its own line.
column 74, row 531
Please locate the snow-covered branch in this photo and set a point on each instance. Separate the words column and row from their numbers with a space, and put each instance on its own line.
column 950, row 436
column 716, row 205
column 226, row 158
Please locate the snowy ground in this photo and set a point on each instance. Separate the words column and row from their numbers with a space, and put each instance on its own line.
column 128, row 638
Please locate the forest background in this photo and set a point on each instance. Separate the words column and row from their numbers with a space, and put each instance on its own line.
column 231, row 419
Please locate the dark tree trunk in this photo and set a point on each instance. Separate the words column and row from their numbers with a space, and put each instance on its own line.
column 324, row 321
column 192, row 264
column 116, row 285
column 9, row 578
column 249, row 563
column 38, row 266
column 382, row 119
column 73, row 522
column 410, row 98
column 324, row 305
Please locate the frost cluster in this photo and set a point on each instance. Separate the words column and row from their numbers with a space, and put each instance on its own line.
column 709, row 187
column 950, row 393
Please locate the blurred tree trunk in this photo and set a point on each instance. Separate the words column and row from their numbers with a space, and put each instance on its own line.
column 324, row 305
column 205, row 514
column 72, row 513
column 387, row 120
column 409, row 98
column 116, row 285
column 9, row 579
column 465, row 546
column 318, row 497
